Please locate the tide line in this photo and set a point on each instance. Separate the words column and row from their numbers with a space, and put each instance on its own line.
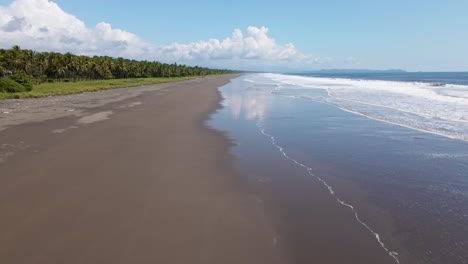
column 330, row 94
column 392, row 254
column 457, row 136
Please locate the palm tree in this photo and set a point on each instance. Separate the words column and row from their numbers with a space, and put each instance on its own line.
column 59, row 66
column 121, row 68
column 82, row 66
column 15, row 58
column 41, row 63
column 28, row 63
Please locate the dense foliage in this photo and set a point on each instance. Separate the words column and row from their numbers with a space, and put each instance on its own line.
column 23, row 79
column 49, row 66
column 8, row 85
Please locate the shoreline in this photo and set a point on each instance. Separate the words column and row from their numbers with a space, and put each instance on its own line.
column 140, row 179
column 344, row 184
column 313, row 222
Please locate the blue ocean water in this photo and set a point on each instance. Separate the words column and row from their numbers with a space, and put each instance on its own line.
column 394, row 152
column 437, row 104
column 460, row 78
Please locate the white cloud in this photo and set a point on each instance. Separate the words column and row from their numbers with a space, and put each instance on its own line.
column 43, row 25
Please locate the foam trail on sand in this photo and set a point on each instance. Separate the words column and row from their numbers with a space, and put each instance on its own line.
column 393, row 254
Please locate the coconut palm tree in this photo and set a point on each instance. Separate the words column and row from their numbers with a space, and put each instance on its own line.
column 59, row 66
column 41, row 63
column 29, row 61
column 15, row 58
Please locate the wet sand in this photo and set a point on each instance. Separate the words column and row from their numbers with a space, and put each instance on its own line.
column 335, row 180
column 311, row 223
column 135, row 176
column 130, row 179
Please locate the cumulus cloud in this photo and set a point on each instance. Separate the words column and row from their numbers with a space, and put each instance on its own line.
column 43, row 25
column 256, row 45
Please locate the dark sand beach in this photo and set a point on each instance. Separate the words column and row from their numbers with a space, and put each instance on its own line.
column 135, row 176
column 139, row 180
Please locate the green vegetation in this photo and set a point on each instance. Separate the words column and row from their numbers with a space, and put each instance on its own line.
column 8, row 85
column 23, row 79
column 41, row 74
column 63, row 88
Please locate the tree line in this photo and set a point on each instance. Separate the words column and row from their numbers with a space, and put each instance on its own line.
column 44, row 66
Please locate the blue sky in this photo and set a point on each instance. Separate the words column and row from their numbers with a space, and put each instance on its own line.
column 413, row 35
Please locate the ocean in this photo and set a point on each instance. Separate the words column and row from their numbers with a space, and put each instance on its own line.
column 425, row 77
column 389, row 149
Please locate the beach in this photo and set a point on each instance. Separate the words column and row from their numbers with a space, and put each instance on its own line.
column 336, row 160
column 239, row 132
column 135, row 178
column 224, row 169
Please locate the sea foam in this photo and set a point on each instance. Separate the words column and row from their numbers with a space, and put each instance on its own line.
column 437, row 109
column 332, row 192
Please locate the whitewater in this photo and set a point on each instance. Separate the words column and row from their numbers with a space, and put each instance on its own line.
column 412, row 175
column 440, row 109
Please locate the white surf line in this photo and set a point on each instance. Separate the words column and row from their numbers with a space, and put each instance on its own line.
column 329, row 92
column 456, row 136
column 401, row 124
column 393, row 254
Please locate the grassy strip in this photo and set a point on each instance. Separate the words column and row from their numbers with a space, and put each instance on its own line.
column 63, row 88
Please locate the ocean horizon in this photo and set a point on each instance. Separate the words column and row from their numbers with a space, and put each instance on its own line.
column 234, row 132
column 391, row 151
